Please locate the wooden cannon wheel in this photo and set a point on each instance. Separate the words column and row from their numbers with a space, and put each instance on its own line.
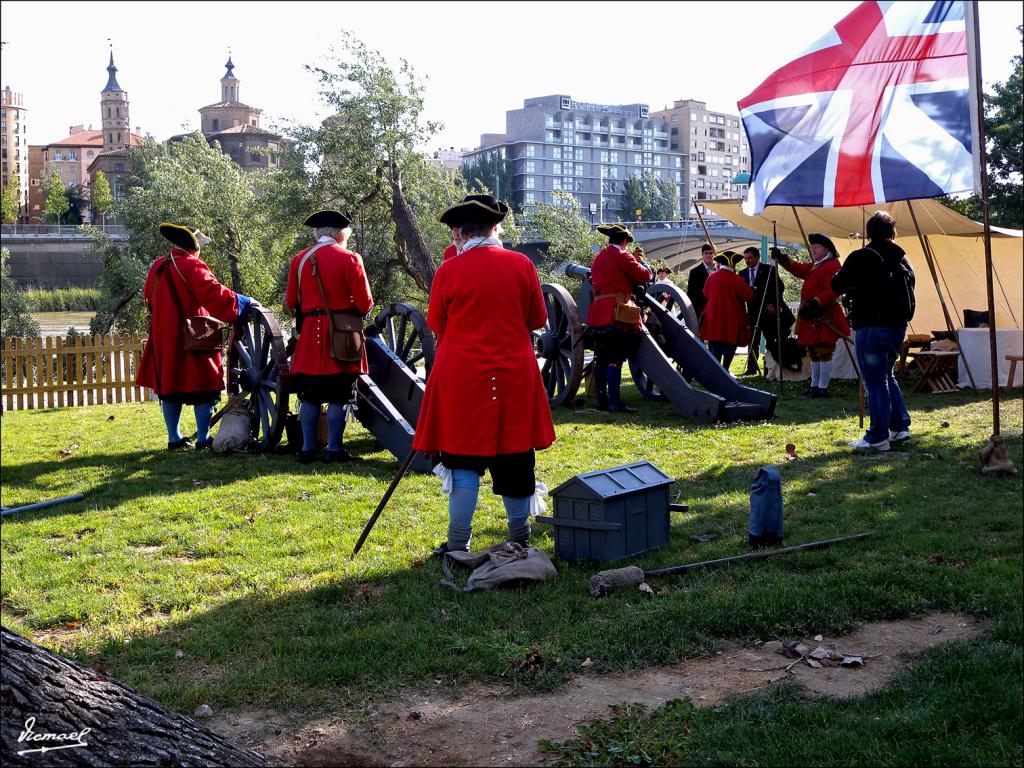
column 678, row 304
column 404, row 330
column 559, row 346
column 257, row 365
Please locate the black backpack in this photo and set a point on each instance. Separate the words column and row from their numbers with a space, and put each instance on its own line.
column 897, row 287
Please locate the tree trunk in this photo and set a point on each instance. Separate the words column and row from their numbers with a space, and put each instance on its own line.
column 236, row 275
column 45, row 693
column 117, row 311
column 412, row 248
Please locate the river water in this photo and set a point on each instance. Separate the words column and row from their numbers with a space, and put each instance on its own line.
column 57, row 323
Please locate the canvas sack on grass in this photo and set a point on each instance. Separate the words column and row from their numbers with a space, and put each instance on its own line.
column 499, row 565
column 233, row 431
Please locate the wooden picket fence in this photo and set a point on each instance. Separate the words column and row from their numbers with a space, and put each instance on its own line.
column 61, row 371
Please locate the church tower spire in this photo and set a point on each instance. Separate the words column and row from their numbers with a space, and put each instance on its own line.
column 114, row 111
column 229, row 83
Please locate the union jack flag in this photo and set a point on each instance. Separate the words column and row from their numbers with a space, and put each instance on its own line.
column 876, row 110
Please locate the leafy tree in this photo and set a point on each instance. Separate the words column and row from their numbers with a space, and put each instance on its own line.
column 569, row 236
column 102, row 199
column 15, row 312
column 10, row 201
column 364, row 158
column 489, row 174
column 78, row 202
column 194, row 183
column 633, row 198
column 656, row 197
column 1004, row 132
column 57, row 203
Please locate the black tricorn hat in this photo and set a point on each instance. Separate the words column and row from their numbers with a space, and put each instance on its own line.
column 189, row 238
column 486, row 209
column 615, row 229
column 820, row 239
column 331, row 219
column 729, row 259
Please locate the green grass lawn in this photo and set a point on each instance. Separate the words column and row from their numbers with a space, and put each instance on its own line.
column 199, row 578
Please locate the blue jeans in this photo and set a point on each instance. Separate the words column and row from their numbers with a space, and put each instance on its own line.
column 877, row 352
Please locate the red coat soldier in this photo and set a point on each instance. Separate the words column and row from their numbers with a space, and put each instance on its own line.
column 179, row 286
column 318, row 378
column 614, row 273
column 724, row 322
column 818, row 309
column 485, row 407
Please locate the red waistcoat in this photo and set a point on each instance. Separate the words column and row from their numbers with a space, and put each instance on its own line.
column 166, row 367
column 818, row 285
column 485, row 395
column 345, row 284
column 613, row 271
column 725, row 314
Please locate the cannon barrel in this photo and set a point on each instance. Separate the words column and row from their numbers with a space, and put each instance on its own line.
column 577, row 270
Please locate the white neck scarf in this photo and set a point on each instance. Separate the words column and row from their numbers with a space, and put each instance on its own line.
column 475, row 242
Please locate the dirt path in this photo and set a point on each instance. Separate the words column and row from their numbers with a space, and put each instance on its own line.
column 483, row 729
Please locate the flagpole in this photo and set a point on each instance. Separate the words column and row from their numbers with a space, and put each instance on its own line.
column 979, row 92
column 703, row 225
column 942, row 299
column 802, row 233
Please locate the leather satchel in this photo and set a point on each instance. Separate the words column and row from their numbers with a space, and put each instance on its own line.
column 200, row 333
column 626, row 311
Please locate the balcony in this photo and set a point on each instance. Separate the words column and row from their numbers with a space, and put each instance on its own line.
column 617, row 130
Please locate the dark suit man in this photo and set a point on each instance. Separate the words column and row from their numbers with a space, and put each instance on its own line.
column 698, row 276
column 758, row 277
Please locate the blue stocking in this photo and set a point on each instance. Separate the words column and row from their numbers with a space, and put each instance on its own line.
column 172, row 415
column 204, row 414
column 335, row 426
column 309, row 417
column 517, row 509
column 461, row 506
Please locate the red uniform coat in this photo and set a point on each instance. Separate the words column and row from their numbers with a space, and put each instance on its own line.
column 613, row 271
column 346, row 286
column 450, row 251
column 485, row 395
column 725, row 314
column 818, row 285
column 166, row 367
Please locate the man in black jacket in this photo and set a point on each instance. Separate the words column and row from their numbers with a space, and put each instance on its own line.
column 879, row 283
column 698, row 276
column 762, row 307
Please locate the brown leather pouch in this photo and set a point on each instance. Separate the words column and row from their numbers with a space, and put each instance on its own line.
column 203, row 334
column 346, row 337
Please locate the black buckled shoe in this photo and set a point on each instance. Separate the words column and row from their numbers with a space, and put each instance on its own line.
column 180, row 445
column 203, row 445
column 306, row 457
column 341, row 457
column 620, row 408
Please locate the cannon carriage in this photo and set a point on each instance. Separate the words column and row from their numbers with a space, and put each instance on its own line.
column 399, row 351
column 669, row 357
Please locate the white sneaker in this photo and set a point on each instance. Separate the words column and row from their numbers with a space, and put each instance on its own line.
column 864, row 445
column 899, row 437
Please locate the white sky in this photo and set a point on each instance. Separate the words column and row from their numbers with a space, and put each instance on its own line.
column 479, row 59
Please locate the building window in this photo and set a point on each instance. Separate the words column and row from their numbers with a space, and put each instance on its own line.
column 216, row 124
column 118, row 168
column 556, row 183
column 657, row 160
column 530, row 198
column 530, row 183
column 579, row 169
column 613, row 157
column 604, row 156
column 556, row 169
column 613, row 172
column 556, row 152
column 675, row 118
column 531, row 150
column 530, row 167
column 579, row 154
column 254, row 157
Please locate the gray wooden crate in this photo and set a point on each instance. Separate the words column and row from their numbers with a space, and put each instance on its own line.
column 611, row 513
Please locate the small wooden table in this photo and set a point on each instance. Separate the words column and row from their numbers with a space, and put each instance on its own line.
column 1012, row 360
column 913, row 341
column 938, row 370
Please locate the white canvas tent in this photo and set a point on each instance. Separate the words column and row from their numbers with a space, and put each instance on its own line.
column 955, row 241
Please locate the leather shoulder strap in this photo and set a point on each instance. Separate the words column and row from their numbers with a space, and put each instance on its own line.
column 298, row 277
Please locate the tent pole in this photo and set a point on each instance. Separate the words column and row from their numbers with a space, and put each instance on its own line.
column 704, row 226
column 980, row 106
column 938, row 289
column 802, row 233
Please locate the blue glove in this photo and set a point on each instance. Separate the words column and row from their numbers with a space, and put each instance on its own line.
column 243, row 306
